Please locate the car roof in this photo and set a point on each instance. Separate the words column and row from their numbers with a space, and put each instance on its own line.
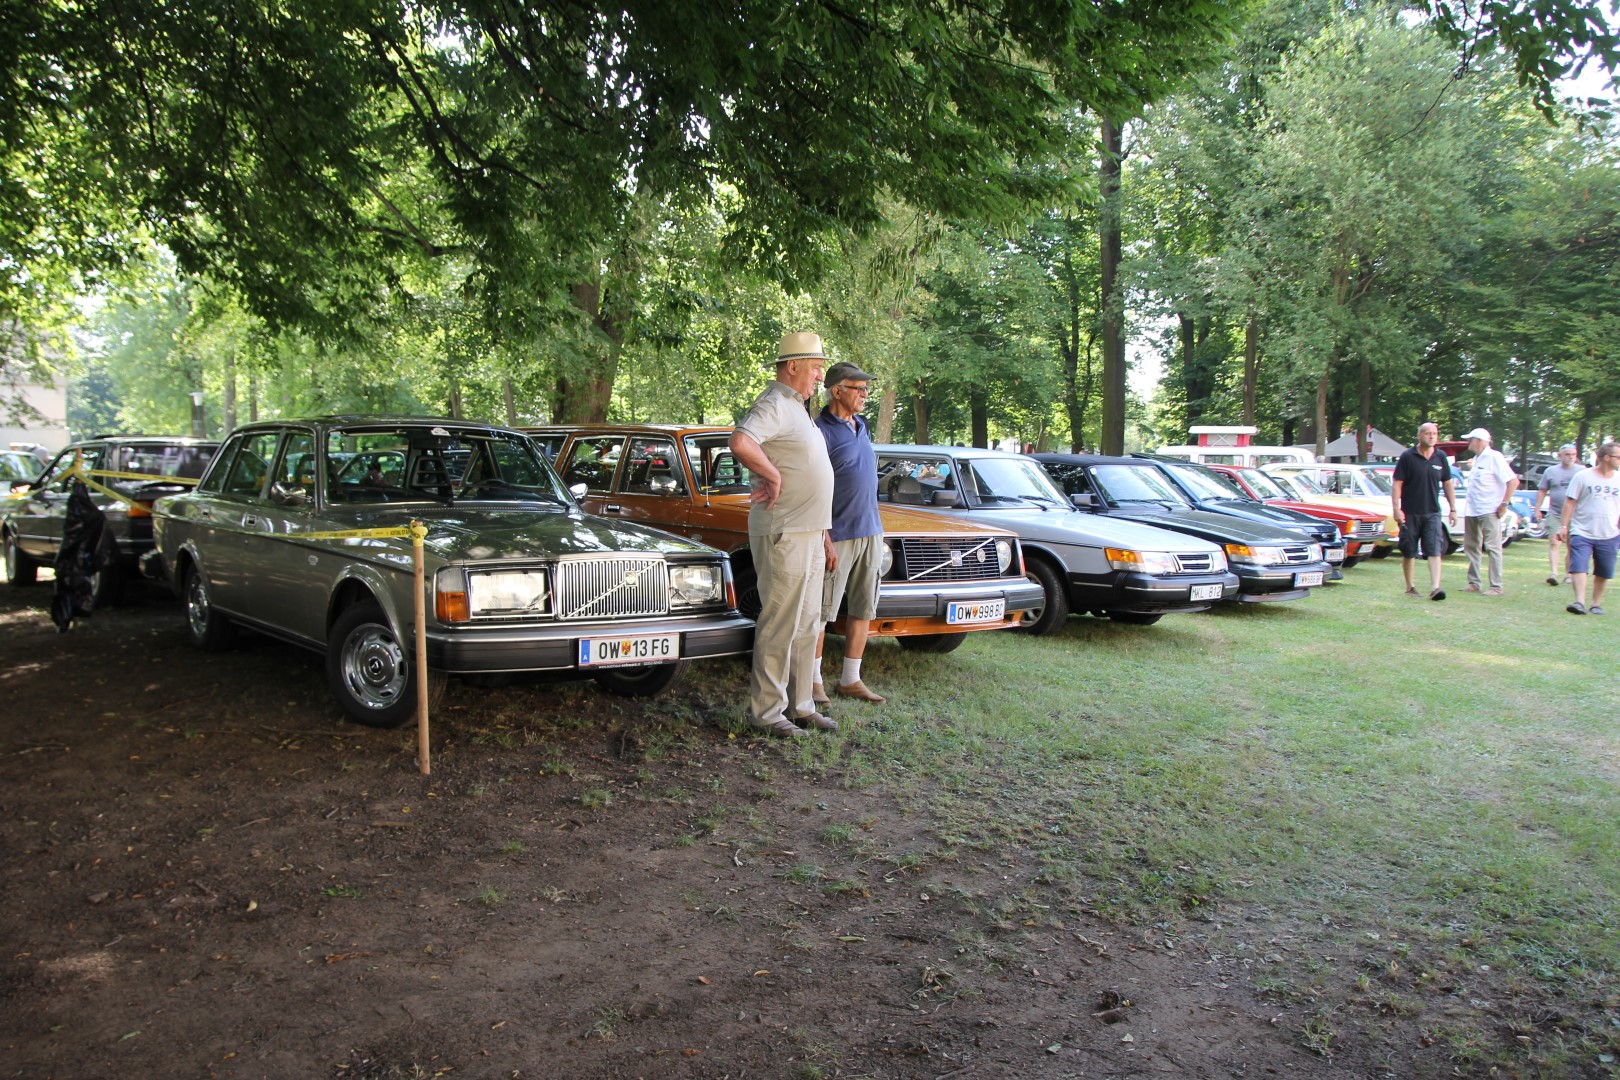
column 606, row 428
column 149, row 440
column 1093, row 459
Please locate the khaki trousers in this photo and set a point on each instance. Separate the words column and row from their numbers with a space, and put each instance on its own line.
column 1483, row 536
column 789, row 568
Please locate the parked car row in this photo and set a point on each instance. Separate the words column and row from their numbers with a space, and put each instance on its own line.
column 620, row 552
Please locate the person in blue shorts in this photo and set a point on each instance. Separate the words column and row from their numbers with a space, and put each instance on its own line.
column 1591, row 526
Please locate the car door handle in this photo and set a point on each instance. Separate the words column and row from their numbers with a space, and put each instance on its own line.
column 249, row 521
column 612, row 508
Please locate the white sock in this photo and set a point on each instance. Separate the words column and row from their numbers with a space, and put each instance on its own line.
column 852, row 672
column 818, row 678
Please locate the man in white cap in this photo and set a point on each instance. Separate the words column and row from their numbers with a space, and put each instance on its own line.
column 1491, row 483
column 1550, row 506
column 788, row 525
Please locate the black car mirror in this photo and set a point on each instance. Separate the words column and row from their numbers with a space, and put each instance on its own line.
column 944, row 498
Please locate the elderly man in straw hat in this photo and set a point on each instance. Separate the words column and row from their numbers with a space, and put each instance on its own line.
column 788, row 536
column 1491, row 483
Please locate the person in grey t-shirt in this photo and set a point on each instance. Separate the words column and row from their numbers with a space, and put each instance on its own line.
column 1550, row 507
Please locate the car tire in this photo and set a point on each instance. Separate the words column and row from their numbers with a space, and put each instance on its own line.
column 643, row 680
column 368, row 668
column 1381, row 552
column 1452, row 547
column 1135, row 618
column 932, row 643
column 748, row 602
column 21, row 569
column 208, row 630
column 1051, row 616
column 106, row 586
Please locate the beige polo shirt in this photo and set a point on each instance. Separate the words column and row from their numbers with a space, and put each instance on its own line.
column 778, row 421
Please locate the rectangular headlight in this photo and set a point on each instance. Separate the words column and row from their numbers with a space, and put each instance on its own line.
column 508, row 592
column 696, row 585
column 1146, row 562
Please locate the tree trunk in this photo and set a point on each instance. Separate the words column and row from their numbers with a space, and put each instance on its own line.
column 253, row 396
column 1251, row 367
column 455, row 398
column 229, row 395
column 1364, row 417
column 883, row 430
column 1321, row 413
column 919, row 414
column 1069, row 351
column 1112, row 436
column 583, row 397
column 510, row 399
column 980, row 413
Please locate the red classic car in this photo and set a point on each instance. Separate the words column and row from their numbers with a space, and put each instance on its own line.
column 1361, row 529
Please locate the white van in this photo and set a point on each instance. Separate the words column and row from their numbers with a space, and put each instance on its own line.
column 1252, row 457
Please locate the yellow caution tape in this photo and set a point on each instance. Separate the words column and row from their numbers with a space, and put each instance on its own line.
column 78, row 471
column 148, row 477
column 414, row 531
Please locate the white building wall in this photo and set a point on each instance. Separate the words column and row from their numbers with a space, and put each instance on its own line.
column 50, row 402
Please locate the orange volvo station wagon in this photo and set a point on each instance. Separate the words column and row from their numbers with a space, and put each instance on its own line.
column 941, row 577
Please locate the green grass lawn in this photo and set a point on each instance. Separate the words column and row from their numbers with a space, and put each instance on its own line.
column 1426, row 792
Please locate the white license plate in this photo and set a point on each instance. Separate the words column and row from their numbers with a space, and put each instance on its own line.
column 640, row 649
column 1333, row 554
column 1306, row 580
column 975, row 611
column 1207, row 592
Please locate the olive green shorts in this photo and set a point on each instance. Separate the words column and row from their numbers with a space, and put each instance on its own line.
column 856, row 578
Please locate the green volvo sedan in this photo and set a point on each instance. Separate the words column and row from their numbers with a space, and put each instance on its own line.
column 517, row 577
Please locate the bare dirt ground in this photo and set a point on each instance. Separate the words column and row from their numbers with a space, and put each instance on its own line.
column 207, row 872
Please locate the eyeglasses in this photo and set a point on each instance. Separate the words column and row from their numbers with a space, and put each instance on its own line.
column 862, row 390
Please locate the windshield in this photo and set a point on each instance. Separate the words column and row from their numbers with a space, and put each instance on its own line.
column 1206, row 483
column 1125, row 484
column 19, row 467
column 1376, row 480
column 1264, row 486
column 1011, row 479
column 448, row 464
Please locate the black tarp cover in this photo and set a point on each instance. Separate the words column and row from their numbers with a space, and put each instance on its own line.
column 87, row 548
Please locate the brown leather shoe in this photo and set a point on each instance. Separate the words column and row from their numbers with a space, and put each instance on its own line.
column 817, row 721
column 818, row 694
column 857, row 689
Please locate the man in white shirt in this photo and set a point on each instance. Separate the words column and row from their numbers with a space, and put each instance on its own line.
column 1591, row 524
column 1491, row 483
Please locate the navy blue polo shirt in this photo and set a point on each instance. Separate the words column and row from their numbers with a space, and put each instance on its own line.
column 854, row 463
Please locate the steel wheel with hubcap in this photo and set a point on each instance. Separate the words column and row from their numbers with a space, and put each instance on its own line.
column 368, row 669
column 208, row 629
column 1051, row 615
column 20, row 566
column 641, row 680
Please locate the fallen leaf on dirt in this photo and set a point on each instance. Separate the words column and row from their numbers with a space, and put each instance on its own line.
column 96, row 897
column 850, row 937
column 704, row 979
column 760, row 972
column 690, row 1052
column 338, row 957
column 253, row 905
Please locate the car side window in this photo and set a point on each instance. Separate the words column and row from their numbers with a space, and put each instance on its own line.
column 1071, row 478
column 651, row 468
column 294, row 481
column 251, row 465
column 592, row 460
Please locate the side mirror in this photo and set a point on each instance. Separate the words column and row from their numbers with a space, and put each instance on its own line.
column 1084, row 501
column 945, row 498
column 577, row 490
column 662, row 485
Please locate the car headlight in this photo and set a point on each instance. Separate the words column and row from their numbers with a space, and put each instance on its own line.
column 1004, row 554
column 1316, row 552
column 1260, row 556
column 508, row 592
column 1217, row 562
column 1146, row 562
column 887, row 562
column 696, row 584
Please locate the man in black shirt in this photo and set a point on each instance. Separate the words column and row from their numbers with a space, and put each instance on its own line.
column 1420, row 475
